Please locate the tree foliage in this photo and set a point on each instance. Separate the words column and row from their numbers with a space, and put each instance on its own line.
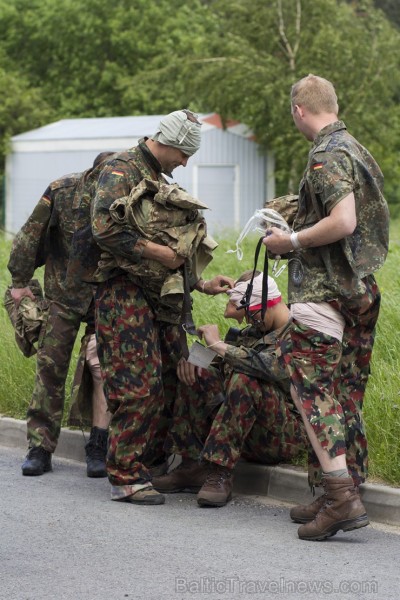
column 391, row 8
column 260, row 49
column 89, row 58
column 22, row 107
column 83, row 54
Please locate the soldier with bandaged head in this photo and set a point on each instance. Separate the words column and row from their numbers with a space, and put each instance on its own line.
column 139, row 345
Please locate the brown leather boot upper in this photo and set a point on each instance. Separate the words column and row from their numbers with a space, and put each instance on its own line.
column 217, row 489
column 189, row 476
column 304, row 513
column 342, row 509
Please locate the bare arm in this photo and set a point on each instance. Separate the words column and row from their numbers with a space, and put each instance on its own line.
column 210, row 334
column 163, row 254
column 340, row 223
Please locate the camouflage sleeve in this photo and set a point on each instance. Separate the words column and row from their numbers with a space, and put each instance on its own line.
column 115, row 181
column 331, row 176
column 261, row 363
column 27, row 252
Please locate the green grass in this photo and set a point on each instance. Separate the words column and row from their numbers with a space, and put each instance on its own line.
column 382, row 401
column 17, row 373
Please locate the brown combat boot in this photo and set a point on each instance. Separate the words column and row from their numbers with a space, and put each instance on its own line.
column 304, row 513
column 189, row 476
column 217, row 488
column 342, row 509
column 159, row 469
column 148, row 496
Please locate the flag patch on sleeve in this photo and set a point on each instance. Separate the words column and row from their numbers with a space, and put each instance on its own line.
column 116, row 172
column 317, row 166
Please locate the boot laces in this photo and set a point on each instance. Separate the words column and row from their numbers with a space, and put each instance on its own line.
column 217, row 476
column 97, row 446
column 38, row 452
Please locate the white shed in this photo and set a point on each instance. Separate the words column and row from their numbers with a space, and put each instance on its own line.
column 228, row 173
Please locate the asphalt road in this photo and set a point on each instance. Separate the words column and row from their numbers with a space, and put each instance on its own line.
column 61, row 538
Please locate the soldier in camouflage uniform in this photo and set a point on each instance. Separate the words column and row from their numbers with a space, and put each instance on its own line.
column 136, row 350
column 241, row 407
column 340, row 239
column 45, row 239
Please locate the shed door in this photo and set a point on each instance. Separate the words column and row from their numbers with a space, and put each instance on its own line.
column 217, row 187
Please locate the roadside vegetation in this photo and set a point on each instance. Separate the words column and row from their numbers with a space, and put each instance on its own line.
column 382, row 402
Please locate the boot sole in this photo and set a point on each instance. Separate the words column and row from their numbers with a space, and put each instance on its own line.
column 216, row 504
column 98, row 473
column 28, row 473
column 302, row 521
column 148, row 502
column 181, row 490
column 349, row 525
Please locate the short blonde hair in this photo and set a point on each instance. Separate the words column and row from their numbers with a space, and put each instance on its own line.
column 316, row 94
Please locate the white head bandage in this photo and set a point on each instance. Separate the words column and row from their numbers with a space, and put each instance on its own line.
column 237, row 293
column 178, row 131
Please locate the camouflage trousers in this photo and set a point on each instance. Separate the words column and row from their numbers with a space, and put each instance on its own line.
column 223, row 420
column 135, row 353
column 55, row 345
column 330, row 378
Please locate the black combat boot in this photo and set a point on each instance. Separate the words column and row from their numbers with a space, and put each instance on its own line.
column 96, row 451
column 37, row 461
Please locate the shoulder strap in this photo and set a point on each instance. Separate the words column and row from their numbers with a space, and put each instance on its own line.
column 245, row 302
column 186, row 325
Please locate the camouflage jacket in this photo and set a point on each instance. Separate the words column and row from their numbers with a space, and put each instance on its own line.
column 337, row 166
column 257, row 355
column 167, row 215
column 116, row 181
column 45, row 239
column 122, row 245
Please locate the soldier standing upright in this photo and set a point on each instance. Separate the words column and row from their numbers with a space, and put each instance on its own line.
column 340, row 239
column 135, row 348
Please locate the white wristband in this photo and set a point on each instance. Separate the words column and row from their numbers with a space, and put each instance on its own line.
column 294, row 238
column 215, row 343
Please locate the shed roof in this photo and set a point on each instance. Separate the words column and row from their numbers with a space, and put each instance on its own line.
column 118, row 127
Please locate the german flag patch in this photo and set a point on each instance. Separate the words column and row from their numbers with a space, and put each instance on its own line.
column 317, row 166
column 119, row 173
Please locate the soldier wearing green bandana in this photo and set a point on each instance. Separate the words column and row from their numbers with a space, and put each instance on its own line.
column 138, row 351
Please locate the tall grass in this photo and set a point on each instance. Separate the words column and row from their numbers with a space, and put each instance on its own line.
column 17, row 373
column 382, row 402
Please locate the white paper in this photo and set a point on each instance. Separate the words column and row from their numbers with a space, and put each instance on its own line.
column 200, row 356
